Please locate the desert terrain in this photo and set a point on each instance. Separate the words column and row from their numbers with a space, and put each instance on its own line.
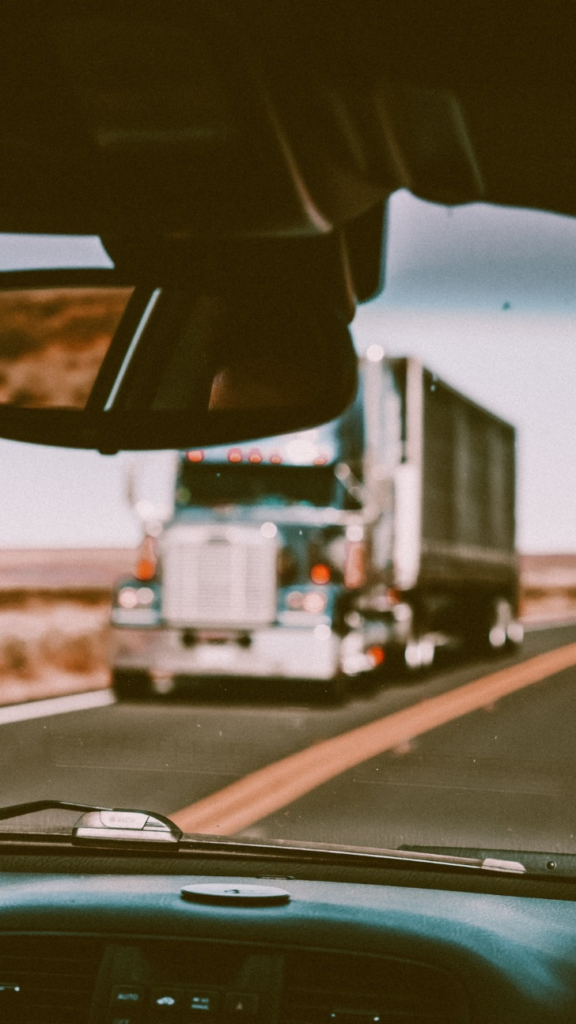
column 548, row 587
column 54, row 612
column 53, row 342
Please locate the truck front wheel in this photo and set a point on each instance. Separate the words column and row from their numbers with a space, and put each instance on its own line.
column 131, row 684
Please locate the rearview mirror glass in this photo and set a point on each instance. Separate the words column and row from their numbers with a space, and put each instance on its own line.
column 90, row 360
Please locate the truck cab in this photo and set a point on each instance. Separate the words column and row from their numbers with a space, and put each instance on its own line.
column 258, row 566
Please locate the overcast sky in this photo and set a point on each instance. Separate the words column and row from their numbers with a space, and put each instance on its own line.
column 485, row 297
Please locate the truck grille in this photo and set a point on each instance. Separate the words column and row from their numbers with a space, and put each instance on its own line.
column 214, row 576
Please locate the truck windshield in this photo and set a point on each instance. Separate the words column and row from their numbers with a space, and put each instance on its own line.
column 246, row 484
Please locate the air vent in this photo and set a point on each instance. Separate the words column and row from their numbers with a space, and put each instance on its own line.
column 47, row 979
column 326, row 988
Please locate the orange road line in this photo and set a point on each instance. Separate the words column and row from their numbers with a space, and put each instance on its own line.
column 269, row 789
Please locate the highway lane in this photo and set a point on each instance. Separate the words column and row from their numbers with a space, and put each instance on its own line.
column 503, row 776
column 515, row 764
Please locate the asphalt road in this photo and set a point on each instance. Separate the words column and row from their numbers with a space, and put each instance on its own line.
column 501, row 776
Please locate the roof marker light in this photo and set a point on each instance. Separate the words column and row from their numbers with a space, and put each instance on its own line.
column 255, row 456
column 235, row 455
column 195, row 456
column 276, row 459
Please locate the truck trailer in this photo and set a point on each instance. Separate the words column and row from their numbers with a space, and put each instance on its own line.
column 363, row 546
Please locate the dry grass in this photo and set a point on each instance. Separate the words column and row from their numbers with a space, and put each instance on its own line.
column 50, row 646
column 548, row 591
column 555, row 605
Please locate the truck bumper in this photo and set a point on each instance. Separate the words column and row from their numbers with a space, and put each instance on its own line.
column 273, row 652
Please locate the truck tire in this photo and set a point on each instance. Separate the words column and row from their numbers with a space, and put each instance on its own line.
column 131, row 684
column 506, row 633
column 495, row 630
column 515, row 637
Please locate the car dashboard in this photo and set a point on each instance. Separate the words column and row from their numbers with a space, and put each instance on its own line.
column 98, row 940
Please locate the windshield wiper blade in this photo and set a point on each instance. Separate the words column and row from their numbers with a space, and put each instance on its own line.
column 105, row 824
column 294, row 850
column 536, row 862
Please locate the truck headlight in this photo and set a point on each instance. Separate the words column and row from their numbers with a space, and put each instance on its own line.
column 134, row 597
column 127, row 597
column 314, row 602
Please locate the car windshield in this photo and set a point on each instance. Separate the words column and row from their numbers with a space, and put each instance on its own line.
column 363, row 635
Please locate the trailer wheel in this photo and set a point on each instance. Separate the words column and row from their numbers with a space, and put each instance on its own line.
column 505, row 621
column 515, row 633
column 131, row 684
column 497, row 631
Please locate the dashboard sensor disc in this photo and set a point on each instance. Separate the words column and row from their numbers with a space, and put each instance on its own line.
column 236, row 895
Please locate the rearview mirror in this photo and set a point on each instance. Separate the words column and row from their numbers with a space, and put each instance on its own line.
column 92, row 359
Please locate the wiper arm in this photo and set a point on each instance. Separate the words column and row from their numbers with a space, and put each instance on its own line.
column 18, row 810
column 105, row 824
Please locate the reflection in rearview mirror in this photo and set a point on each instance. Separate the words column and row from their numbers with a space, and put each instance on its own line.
column 110, row 366
column 53, row 342
column 233, row 355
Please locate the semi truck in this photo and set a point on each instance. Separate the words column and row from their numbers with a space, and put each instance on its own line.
column 361, row 547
